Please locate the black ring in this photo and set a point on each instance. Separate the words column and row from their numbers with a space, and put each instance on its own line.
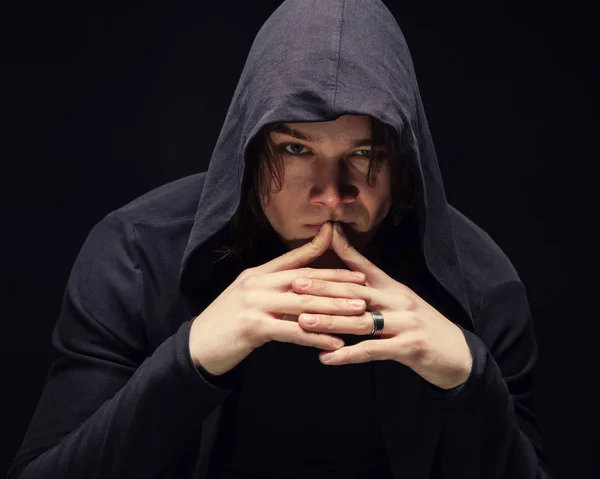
column 377, row 323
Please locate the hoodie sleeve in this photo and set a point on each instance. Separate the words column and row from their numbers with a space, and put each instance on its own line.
column 108, row 408
column 489, row 429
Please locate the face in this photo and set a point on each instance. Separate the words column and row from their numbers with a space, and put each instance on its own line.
column 325, row 167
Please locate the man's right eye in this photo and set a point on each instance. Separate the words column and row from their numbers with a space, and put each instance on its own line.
column 294, row 148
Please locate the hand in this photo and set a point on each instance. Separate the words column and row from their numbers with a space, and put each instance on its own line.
column 414, row 334
column 248, row 313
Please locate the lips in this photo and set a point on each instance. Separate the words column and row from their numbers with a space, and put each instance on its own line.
column 323, row 222
column 316, row 227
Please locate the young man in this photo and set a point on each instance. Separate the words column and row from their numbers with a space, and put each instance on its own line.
column 185, row 346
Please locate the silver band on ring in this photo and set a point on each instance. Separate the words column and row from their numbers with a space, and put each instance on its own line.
column 377, row 323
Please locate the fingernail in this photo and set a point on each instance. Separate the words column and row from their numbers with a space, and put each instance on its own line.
column 358, row 275
column 309, row 319
column 338, row 343
column 303, row 283
column 326, row 357
column 357, row 303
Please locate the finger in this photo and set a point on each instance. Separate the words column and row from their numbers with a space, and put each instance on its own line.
column 333, row 289
column 292, row 303
column 291, row 332
column 325, row 323
column 303, row 255
column 363, row 352
column 284, row 279
column 403, row 323
column 351, row 256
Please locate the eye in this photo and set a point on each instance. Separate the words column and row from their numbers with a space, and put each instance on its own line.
column 293, row 148
column 366, row 153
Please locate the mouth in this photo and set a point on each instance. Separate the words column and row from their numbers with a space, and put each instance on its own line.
column 314, row 228
column 318, row 225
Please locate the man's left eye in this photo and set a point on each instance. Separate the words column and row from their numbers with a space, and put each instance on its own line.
column 366, row 152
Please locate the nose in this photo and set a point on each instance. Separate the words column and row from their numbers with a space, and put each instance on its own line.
column 332, row 188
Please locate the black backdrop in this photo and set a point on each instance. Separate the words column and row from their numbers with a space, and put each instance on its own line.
column 103, row 104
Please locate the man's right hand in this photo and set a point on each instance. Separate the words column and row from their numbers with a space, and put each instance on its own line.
column 261, row 306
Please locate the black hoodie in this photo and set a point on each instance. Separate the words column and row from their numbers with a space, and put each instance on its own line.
column 123, row 398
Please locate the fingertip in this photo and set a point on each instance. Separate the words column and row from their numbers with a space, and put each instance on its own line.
column 324, row 232
column 326, row 227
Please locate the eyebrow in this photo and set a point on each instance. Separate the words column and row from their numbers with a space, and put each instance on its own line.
column 287, row 130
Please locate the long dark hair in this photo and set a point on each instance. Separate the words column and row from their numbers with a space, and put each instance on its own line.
column 264, row 168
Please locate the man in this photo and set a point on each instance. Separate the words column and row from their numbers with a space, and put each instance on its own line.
column 185, row 348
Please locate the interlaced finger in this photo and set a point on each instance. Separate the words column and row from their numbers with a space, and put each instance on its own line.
column 282, row 280
column 292, row 303
column 292, row 332
column 334, row 289
column 359, row 324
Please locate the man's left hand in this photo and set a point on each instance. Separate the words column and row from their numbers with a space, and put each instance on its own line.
column 414, row 334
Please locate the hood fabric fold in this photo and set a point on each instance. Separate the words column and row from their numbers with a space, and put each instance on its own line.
column 314, row 60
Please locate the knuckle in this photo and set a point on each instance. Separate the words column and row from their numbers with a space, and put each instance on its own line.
column 417, row 348
column 245, row 282
column 348, row 356
column 369, row 353
column 306, row 272
column 319, row 287
column 326, row 321
column 411, row 303
column 299, row 334
column 341, row 302
column 342, row 273
column 246, row 279
column 323, row 340
column 354, row 290
column 247, row 272
column 306, row 299
column 366, row 324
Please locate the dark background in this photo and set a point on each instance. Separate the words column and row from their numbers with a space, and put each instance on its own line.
column 102, row 104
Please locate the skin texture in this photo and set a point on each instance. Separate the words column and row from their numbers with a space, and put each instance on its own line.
column 325, row 179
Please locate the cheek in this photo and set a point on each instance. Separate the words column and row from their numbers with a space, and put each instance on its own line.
column 378, row 199
column 296, row 184
column 282, row 204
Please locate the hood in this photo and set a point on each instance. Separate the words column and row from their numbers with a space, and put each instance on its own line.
column 314, row 60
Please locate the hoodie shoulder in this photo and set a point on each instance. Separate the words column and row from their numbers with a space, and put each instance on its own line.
column 485, row 265
column 173, row 201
